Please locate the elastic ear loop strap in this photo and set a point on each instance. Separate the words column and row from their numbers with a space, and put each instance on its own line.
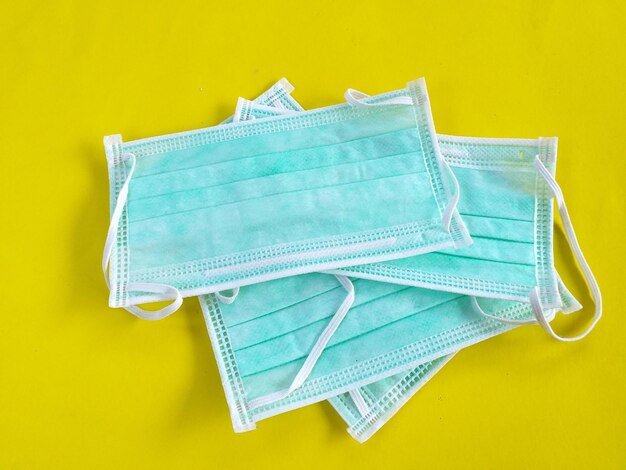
column 315, row 353
column 227, row 299
column 446, row 218
column 509, row 321
column 535, row 301
column 359, row 401
column 570, row 234
column 356, row 98
column 167, row 292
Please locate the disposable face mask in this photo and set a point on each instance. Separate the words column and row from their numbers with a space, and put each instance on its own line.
column 242, row 203
column 265, row 341
column 506, row 188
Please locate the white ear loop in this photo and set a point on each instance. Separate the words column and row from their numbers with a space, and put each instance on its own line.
column 359, row 401
column 227, row 299
column 356, row 98
column 570, row 234
column 534, row 297
column 167, row 292
column 509, row 321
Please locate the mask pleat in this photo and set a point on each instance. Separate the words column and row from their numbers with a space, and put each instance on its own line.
column 497, row 193
column 500, row 251
column 500, row 228
column 286, row 321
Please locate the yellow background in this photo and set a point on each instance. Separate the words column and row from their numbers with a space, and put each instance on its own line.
column 85, row 386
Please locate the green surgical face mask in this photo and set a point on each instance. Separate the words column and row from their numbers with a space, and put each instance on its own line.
column 242, row 203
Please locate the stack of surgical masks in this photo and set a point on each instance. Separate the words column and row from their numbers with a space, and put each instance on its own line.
column 344, row 253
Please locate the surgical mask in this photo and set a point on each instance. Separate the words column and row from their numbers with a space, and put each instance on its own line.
column 347, row 184
column 266, row 343
column 506, row 188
